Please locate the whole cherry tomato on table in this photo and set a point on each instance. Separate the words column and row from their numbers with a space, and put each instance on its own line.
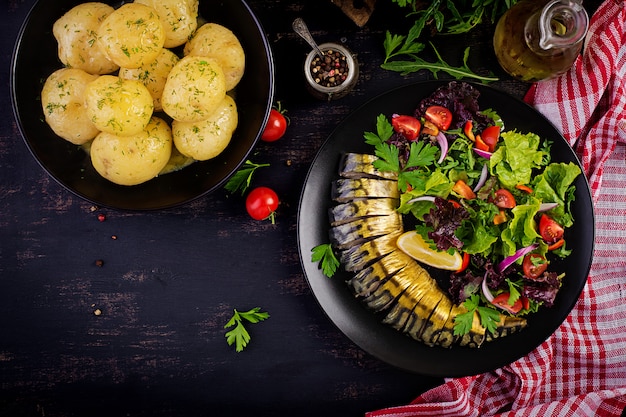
column 262, row 203
column 276, row 125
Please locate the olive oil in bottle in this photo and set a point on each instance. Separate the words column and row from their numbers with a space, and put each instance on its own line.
column 537, row 40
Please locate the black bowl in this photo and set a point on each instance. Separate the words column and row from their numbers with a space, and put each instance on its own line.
column 35, row 58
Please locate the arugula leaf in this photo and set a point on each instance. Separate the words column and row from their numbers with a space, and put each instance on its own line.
column 416, row 64
column 324, row 254
column 450, row 18
column 239, row 335
column 240, row 181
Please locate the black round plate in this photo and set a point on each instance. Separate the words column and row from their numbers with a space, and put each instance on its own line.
column 35, row 58
column 361, row 325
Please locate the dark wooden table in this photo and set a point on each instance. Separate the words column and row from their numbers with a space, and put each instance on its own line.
column 142, row 334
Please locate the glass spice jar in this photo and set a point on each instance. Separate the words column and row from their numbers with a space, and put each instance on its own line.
column 333, row 75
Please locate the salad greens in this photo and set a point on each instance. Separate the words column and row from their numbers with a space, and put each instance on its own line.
column 498, row 239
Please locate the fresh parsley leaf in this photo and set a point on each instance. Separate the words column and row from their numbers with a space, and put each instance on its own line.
column 489, row 318
column 328, row 261
column 239, row 336
column 240, row 181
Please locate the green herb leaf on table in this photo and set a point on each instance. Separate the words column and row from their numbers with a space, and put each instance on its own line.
column 239, row 335
column 326, row 257
column 241, row 180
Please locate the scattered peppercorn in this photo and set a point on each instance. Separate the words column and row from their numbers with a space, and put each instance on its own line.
column 101, row 217
column 330, row 70
column 114, row 237
column 99, row 263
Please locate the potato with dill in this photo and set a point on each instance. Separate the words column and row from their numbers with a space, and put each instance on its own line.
column 132, row 35
column 132, row 160
column 75, row 33
column 153, row 75
column 179, row 19
column 119, row 106
column 62, row 99
column 208, row 138
column 194, row 88
column 215, row 41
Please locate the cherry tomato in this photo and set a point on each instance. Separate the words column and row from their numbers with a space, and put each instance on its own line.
column 275, row 127
column 504, row 199
column 490, row 137
column 534, row 265
column 502, row 301
column 439, row 116
column 262, row 203
column 550, row 230
column 407, row 126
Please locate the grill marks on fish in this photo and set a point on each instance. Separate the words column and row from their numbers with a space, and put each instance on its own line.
column 364, row 228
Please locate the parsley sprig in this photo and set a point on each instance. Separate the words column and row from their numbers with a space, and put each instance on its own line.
column 326, row 257
column 421, row 154
column 240, row 181
column 489, row 317
column 239, row 334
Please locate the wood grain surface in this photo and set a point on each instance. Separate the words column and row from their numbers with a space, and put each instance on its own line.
column 125, row 316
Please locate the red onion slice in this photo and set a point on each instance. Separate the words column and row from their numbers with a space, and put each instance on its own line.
column 509, row 260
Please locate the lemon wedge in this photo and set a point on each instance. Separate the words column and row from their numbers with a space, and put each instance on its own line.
column 414, row 245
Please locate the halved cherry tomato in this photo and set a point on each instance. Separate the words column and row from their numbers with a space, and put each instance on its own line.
column 550, row 230
column 500, row 218
column 502, row 301
column 439, row 116
column 524, row 188
column 275, row 127
column 490, row 136
column 407, row 126
column 534, row 265
column 465, row 263
column 504, row 199
column 430, row 128
column 462, row 189
column 525, row 302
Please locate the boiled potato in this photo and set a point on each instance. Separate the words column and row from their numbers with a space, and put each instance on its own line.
column 132, row 35
column 220, row 43
column 194, row 88
column 132, row 160
column 118, row 106
column 153, row 75
column 179, row 19
column 208, row 138
column 75, row 33
column 62, row 99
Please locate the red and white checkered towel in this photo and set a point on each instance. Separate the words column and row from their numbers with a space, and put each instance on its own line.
column 581, row 369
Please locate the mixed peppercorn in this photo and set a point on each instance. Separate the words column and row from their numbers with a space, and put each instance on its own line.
column 331, row 69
